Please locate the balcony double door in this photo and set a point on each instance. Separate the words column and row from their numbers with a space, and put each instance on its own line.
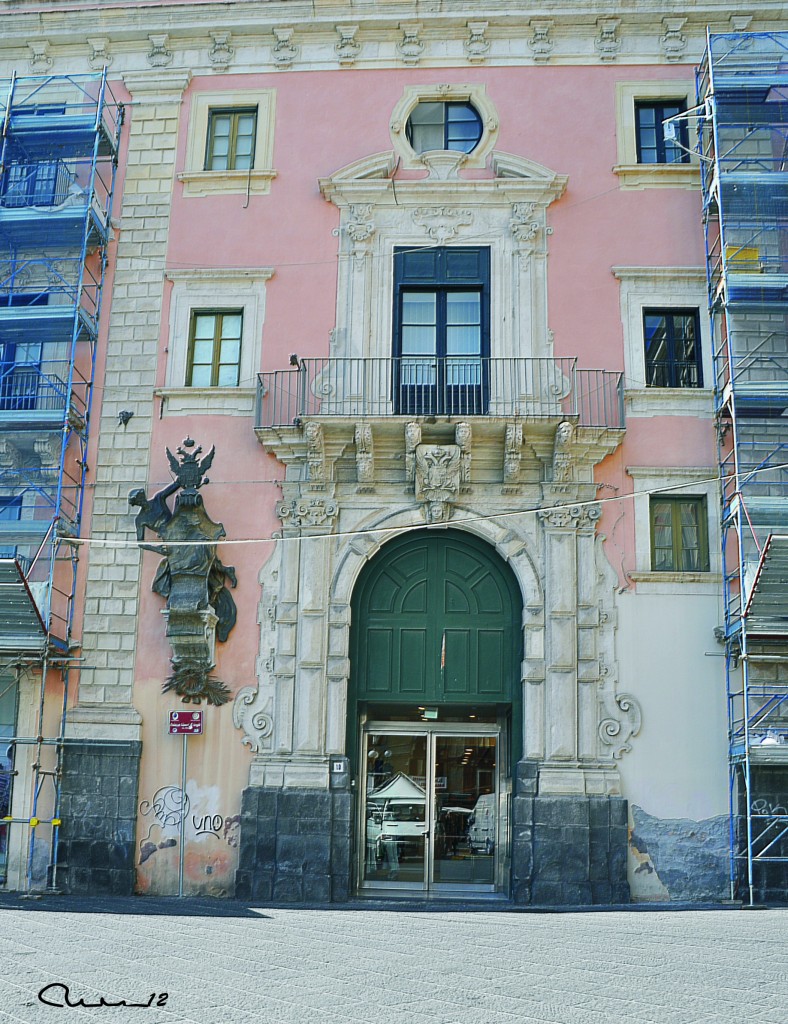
column 441, row 370
column 430, row 819
column 441, row 349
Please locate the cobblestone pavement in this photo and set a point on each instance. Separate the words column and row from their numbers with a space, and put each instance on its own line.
column 229, row 963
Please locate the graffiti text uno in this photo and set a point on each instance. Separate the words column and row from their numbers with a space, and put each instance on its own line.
column 208, row 823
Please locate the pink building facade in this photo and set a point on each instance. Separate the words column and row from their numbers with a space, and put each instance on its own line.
column 432, row 285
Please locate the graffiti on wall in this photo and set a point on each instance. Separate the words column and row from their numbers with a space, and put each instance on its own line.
column 168, row 808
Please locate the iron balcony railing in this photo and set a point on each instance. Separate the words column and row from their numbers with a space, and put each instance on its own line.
column 450, row 386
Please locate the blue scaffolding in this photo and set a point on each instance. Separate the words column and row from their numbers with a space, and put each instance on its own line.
column 58, row 164
column 742, row 95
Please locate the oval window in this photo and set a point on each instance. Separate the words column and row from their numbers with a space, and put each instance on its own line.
column 439, row 125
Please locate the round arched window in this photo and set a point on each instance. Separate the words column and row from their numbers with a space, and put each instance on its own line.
column 444, row 125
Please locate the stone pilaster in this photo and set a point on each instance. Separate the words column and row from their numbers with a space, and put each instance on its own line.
column 112, row 592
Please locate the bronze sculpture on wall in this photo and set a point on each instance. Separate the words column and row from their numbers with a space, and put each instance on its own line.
column 190, row 576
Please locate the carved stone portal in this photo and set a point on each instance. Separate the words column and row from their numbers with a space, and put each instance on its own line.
column 190, row 576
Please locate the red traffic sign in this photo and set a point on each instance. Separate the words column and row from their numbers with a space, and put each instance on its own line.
column 185, row 723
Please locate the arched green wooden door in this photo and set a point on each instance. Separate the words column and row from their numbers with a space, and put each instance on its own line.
column 436, row 618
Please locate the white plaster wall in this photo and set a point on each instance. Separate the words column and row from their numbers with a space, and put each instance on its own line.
column 670, row 661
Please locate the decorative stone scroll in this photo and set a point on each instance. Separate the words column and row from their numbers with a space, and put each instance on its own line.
column 313, row 512
column 623, row 720
column 442, row 222
column 570, row 516
column 190, row 576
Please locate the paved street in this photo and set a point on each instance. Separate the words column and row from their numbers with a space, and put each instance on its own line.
column 229, row 963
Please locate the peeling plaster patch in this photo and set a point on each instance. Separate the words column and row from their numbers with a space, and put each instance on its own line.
column 689, row 859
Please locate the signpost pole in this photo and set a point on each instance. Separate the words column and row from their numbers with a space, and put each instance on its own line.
column 183, row 817
column 183, row 724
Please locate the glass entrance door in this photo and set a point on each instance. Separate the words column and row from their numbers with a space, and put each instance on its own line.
column 429, row 819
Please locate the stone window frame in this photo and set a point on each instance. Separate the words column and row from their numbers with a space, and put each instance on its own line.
column 257, row 181
column 692, row 481
column 634, row 175
column 666, row 288
column 507, row 213
column 203, row 289
column 412, row 95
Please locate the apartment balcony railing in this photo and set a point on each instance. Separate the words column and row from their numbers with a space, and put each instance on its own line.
column 455, row 386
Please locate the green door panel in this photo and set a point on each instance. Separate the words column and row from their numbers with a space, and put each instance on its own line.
column 436, row 617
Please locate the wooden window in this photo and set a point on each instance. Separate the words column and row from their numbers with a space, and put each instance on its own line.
column 652, row 147
column 214, row 348
column 679, row 534
column 672, row 346
column 231, row 138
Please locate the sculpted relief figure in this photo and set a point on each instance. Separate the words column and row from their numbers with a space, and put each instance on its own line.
column 562, row 454
column 438, row 470
column 191, row 577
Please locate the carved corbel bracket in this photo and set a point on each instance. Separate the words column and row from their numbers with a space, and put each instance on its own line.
column 98, row 53
column 412, row 441
column 673, row 43
column 221, row 52
column 48, row 449
column 347, row 48
column 563, row 456
column 365, row 458
column 512, row 458
column 463, row 438
column 284, row 51
column 607, row 43
column 410, row 47
column 477, row 45
column 11, row 457
column 39, row 60
column 159, row 56
column 316, row 456
column 540, row 44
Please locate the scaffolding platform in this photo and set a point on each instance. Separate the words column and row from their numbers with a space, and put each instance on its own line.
column 58, row 164
column 742, row 92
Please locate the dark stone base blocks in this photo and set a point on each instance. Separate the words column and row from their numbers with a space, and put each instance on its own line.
column 567, row 850
column 98, row 810
column 295, row 845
